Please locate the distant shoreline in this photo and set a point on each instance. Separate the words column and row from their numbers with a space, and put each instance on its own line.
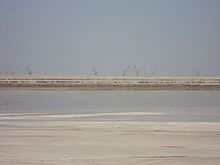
column 36, row 82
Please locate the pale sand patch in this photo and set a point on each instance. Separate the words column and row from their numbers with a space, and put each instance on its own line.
column 67, row 116
column 102, row 114
column 108, row 143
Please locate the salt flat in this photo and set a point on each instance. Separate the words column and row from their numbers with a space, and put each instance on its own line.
column 109, row 127
column 106, row 143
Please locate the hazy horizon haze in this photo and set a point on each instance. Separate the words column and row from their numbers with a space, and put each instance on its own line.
column 171, row 37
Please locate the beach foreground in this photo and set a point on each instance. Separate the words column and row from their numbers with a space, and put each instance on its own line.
column 54, row 142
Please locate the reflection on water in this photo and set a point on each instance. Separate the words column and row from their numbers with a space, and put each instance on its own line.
column 174, row 105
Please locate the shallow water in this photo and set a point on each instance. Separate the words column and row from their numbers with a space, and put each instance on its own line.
column 168, row 106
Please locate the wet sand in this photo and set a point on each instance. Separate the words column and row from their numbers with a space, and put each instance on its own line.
column 109, row 127
column 54, row 142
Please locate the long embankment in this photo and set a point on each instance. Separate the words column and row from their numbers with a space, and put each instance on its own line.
column 109, row 82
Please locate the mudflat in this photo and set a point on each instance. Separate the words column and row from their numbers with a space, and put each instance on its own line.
column 109, row 127
column 55, row 142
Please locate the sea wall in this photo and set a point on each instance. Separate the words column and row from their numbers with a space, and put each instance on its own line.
column 110, row 82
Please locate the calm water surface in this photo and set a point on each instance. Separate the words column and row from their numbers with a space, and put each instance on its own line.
column 176, row 106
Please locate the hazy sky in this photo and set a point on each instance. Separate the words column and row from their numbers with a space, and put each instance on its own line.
column 169, row 37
